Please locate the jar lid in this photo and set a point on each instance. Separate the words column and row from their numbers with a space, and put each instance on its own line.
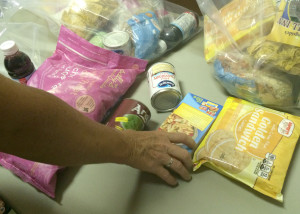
column 116, row 39
column 9, row 47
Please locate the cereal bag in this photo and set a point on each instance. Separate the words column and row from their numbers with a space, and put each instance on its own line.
column 252, row 144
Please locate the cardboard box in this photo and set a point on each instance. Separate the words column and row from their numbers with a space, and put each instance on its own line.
column 193, row 116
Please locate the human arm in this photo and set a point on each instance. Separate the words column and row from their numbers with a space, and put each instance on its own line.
column 38, row 126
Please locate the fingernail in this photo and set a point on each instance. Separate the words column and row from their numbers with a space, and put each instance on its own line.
column 189, row 179
column 175, row 184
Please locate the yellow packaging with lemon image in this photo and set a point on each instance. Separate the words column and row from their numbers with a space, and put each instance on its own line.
column 251, row 144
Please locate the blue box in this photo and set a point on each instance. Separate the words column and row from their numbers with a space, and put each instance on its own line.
column 193, row 116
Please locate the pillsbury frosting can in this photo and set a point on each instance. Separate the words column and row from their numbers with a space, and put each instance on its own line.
column 119, row 42
column 164, row 88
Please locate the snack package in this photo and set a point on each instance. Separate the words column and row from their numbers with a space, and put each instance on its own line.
column 255, row 49
column 87, row 77
column 40, row 175
column 252, row 144
column 140, row 21
column 193, row 116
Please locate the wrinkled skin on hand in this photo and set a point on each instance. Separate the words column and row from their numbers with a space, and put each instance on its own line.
column 151, row 151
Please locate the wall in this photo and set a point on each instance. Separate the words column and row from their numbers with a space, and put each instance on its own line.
column 190, row 4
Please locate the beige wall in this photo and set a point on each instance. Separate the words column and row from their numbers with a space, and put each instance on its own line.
column 190, row 4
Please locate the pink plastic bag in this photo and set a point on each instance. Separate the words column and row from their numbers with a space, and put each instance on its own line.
column 42, row 176
column 88, row 78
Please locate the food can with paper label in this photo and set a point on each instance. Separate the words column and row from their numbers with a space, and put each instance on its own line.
column 130, row 114
column 164, row 88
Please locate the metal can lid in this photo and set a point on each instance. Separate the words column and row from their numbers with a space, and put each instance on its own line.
column 116, row 39
column 166, row 100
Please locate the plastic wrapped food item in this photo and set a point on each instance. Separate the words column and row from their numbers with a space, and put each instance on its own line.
column 267, row 86
column 283, row 56
column 287, row 24
column 244, row 20
column 146, row 31
column 143, row 20
column 255, row 49
column 82, row 17
column 40, row 175
column 251, row 144
column 87, row 77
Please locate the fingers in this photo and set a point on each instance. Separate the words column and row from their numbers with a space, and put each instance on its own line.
column 180, row 169
column 180, row 154
column 153, row 151
column 175, row 166
column 166, row 176
column 176, row 137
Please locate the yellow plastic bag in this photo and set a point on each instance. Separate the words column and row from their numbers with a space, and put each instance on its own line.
column 251, row 144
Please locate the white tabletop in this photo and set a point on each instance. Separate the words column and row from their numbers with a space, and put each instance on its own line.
column 119, row 189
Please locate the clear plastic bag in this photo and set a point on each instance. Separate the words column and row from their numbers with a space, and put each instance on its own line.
column 255, row 48
column 142, row 22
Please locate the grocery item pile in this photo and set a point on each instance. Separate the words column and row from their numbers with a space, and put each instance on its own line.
column 103, row 45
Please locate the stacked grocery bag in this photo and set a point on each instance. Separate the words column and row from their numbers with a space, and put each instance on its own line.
column 254, row 47
column 101, row 46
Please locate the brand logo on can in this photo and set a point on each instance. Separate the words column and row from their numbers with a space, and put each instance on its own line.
column 141, row 112
column 130, row 114
column 166, row 83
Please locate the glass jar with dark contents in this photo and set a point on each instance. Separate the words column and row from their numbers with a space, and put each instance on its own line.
column 18, row 64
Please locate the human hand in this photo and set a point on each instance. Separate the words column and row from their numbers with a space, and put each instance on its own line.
column 156, row 152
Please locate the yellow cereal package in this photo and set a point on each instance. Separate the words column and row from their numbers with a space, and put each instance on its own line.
column 251, row 144
column 287, row 25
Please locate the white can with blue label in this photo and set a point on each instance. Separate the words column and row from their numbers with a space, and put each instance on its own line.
column 164, row 88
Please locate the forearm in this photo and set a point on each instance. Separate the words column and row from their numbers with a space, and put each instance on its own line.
column 39, row 126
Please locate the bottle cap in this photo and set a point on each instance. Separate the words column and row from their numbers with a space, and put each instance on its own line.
column 9, row 47
column 162, row 47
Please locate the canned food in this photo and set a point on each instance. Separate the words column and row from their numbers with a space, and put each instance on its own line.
column 164, row 88
column 118, row 41
column 131, row 114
